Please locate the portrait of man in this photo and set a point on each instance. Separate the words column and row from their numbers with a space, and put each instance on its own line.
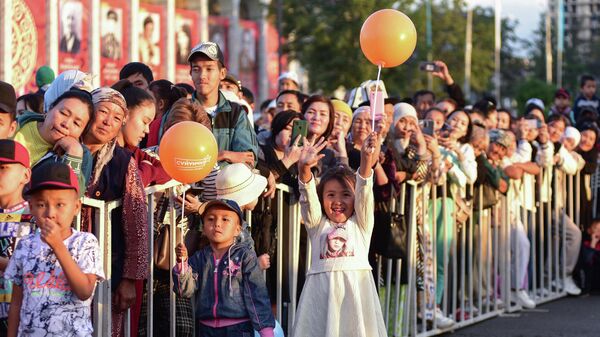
column 148, row 48
column 70, row 23
column 111, row 34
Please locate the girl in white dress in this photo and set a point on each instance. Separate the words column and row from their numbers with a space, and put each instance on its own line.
column 339, row 296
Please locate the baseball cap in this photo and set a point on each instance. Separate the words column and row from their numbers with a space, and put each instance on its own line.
column 8, row 98
column 232, row 79
column 210, row 49
column 53, row 175
column 562, row 92
column 289, row 75
column 500, row 137
column 13, row 152
column 535, row 102
column 230, row 204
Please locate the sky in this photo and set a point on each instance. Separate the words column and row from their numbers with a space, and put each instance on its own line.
column 527, row 12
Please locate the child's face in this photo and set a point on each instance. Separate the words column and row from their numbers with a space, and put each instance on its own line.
column 503, row 121
column 569, row 144
column 438, row 119
column 221, row 226
column 7, row 125
column 338, row 201
column 561, row 102
column 556, row 130
column 589, row 89
column 58, row 205
column 594, row 229
column 13, row 177
column 588, row 140
column 336, row 244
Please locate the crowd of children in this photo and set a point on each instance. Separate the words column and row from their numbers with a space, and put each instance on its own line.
column 341, row 166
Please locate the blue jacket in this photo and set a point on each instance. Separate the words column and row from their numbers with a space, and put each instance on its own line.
column 235, row 288
column 232, row 129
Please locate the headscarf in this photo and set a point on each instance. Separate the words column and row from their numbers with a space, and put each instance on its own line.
column 65, row 81
column 106, row 94
column 105, row 154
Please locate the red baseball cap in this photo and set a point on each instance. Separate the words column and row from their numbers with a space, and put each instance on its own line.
column 53, row 175
column 12, row 152
column 562, row 92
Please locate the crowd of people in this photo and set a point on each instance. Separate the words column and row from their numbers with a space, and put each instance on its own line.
column 71, row 139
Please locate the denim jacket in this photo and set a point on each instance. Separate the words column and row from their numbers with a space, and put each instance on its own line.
column 232, row 129
column 234, row 289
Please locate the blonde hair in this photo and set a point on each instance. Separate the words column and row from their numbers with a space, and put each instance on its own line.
column 187, row 110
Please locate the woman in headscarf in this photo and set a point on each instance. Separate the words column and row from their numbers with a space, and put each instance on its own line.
column 115, row 176
column 55, row 135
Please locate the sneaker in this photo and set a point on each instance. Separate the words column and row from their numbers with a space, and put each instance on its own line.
column 570, row 287
column 523, row 299
column 442, row 321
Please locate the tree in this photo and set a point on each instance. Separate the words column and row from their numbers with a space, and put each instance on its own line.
column 324, row 37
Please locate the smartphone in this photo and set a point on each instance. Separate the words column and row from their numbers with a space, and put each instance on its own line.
column 427, row 126
column 534, row 123
column 299, row 128
column 429, row 67
column 377, row 111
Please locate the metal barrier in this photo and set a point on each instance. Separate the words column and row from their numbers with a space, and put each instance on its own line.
column 476, row 259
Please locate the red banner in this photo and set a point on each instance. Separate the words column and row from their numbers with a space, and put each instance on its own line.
column 218, row 28
column 114, row 39
column 186, row 36
column 73, row 32
column 152, row 36
column 28, row 43
column 248, row 55
column 272, row 60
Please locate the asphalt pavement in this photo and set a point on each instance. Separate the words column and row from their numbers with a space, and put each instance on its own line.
column 567, row 317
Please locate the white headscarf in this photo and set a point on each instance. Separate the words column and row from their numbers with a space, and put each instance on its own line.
column 65, row 81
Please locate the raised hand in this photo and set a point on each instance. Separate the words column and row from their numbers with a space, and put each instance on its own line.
column 369, row 154
column 292, row 153
column 309, row 158
column 444, row 73
column 338, row 145
column 50, row 232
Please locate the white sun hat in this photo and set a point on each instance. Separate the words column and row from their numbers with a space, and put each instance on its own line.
column 237, row 182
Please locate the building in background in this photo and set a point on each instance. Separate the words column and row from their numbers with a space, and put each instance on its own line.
column 581, row 22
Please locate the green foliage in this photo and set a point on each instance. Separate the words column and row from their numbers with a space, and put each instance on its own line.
column 534, row 88
column 324, row 36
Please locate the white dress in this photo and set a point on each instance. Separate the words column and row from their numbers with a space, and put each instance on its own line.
column 339, row 296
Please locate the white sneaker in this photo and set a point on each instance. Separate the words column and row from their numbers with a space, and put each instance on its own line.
column 442, row 321
column 523, row 299
column 570, row 287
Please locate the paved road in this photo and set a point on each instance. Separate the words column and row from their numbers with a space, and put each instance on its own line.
column 568, row 317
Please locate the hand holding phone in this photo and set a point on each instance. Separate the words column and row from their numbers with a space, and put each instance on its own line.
column 429, row 67
column 427, row 126
column 299, row 128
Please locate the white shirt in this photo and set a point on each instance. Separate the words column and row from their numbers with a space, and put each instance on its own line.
column 49, row 306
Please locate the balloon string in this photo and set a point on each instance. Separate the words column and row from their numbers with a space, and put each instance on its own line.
column 182, row 214
column 375, row 98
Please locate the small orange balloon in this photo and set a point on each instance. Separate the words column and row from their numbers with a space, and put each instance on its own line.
column 188, row 152
column 388, row 38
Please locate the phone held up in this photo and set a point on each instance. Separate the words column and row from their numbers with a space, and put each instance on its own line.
column 426, row 126
column 429, row 67
column 299, row 128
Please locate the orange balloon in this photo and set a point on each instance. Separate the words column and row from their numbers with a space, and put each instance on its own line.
column 388, row 38
column 188, row 152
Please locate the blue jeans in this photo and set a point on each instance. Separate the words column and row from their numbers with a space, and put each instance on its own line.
column 243, row 329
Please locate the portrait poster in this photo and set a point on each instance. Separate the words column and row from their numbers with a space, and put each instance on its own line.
column 186, row 37
column 248, row 57
column 218, row 28
column 73, row 32
column 152, row 37
column 114, row 39
column 28, row 43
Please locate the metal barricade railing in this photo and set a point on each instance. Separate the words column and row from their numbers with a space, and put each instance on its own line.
column 476, row 259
